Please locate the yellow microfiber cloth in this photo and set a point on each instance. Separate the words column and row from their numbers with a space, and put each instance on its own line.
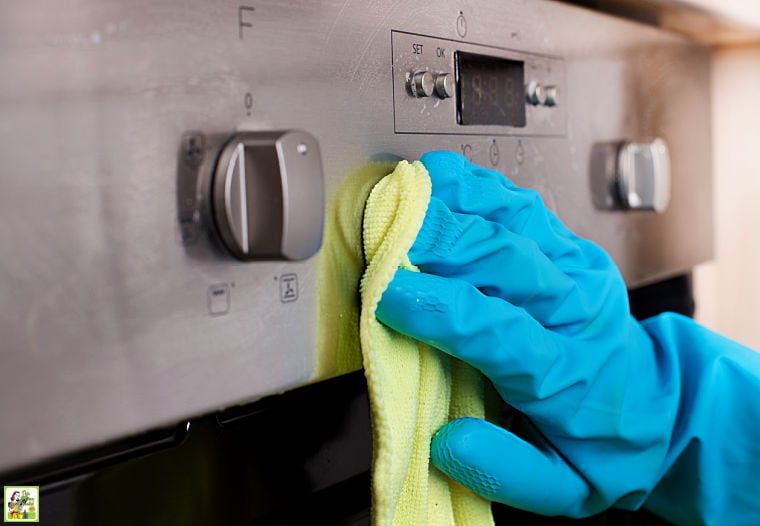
column 414, row 389
column 341, row 263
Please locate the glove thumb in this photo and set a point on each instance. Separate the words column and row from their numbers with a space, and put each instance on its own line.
column 502, row 467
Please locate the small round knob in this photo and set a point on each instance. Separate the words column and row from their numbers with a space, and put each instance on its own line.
column 536, row 94
column 422, row 84
column 552, row 95
column 444, row 85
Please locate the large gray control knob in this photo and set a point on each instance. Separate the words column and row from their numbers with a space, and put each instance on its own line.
column 632, row 175
column 268, row 196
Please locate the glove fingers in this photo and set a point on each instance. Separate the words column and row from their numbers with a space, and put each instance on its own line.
column 470, row 189
column 495, row 337
column 496, row 261
column 502, row 467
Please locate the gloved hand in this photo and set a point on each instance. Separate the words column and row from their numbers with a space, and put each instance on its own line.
column 663, row 413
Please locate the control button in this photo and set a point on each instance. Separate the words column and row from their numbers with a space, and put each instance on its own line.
column 552, row 95
column 422, row 84
column 536, row 93
column 444, row 85
column 632, row 175
column 268, row 195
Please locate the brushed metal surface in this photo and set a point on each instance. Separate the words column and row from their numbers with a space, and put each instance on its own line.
column 116, row 318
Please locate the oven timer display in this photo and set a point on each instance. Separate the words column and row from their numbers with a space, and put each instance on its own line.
column 490, row 90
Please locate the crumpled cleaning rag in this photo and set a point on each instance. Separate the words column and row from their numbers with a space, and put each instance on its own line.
column 414, row 389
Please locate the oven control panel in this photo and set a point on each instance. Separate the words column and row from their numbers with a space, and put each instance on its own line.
column 445, row 86
column 168, row 168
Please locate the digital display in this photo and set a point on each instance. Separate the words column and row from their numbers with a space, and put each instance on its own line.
column 490, row 90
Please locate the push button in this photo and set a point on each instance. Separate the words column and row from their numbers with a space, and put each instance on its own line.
column 422, row 84
column 535, row 93
column 444, row 85
column 552, row 95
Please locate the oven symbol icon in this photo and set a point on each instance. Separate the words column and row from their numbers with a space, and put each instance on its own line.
column 218, row 299
column 288, row 288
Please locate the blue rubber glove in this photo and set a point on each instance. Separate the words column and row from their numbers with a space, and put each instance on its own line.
column 664, row 413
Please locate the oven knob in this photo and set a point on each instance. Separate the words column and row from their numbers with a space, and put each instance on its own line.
column 643, row 175
column 422, row 84
column 268, row 196
column 632, row 175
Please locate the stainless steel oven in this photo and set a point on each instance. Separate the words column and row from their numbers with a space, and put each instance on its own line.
column 165, row 168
